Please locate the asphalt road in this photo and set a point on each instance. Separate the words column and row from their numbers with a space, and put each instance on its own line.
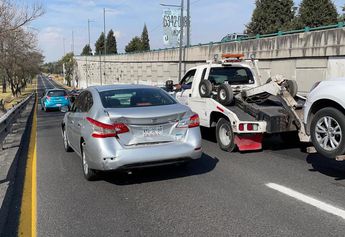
column 222, row 194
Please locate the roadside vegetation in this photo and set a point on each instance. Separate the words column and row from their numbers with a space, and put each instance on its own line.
column 271, row 16
column 20, row 59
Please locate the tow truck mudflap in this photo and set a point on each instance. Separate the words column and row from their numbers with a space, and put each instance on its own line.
column 249, row 142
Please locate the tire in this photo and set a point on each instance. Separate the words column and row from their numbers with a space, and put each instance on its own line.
column 292, row 88
column 89, row 174
column 225, row 94
column 66, row 144
column 225, row 135
column 205, row 89
column 328, row 139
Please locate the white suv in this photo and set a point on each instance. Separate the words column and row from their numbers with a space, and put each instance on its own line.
column 324, row 116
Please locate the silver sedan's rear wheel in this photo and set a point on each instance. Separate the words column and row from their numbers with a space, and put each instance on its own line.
column 89, row 174
column 66, row 145
column 328, row 131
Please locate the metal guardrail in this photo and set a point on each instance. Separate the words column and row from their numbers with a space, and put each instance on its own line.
column 11, row 115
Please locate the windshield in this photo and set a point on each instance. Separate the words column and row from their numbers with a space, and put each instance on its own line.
column 56, row 93
column 138, row 97
column 231, row 75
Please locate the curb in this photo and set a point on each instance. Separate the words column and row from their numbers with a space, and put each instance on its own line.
column 11, row 166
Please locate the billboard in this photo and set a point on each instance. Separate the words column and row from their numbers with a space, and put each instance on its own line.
column 172, row 28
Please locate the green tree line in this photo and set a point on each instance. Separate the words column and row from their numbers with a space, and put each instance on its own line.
column 271, row 16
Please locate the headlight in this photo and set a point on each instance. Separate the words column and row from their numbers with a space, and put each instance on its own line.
column 314, row 86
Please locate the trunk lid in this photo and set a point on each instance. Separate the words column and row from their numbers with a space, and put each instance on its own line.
column 150, row 125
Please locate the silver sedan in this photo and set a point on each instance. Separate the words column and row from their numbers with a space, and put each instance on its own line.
column 126, row 126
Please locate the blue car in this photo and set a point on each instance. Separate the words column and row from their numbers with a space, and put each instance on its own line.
column 54, row 99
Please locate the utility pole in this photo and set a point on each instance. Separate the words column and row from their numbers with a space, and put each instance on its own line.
column 72, row 41
column 64, row 48
column 181, row 42
column 87, row 71
column 188, row 23
column 105, row 42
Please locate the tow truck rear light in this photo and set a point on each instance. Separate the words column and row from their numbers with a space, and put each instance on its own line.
column 102, row 130
column 248, row 126
column 241, row 127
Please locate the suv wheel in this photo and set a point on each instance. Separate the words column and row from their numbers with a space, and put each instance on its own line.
column 225, row 135
column 328, row 132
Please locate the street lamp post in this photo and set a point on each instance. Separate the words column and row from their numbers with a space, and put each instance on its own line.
column 181, row 42
column 105, row 39
column 88, row 29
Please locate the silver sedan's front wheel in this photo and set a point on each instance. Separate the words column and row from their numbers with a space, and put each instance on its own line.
column 327, row 132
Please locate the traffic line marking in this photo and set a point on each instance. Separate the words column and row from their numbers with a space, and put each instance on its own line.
column 28, row 209
column 309, row 200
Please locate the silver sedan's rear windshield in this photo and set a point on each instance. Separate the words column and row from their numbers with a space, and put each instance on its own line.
column 136, row 97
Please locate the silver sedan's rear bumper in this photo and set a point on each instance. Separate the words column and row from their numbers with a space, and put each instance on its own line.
column 109, row 154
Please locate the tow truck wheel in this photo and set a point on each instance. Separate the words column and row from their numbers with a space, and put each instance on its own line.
column 225, row 135
column 328, row 132
column 205, row 88
column 292, row 87
column 225, row 94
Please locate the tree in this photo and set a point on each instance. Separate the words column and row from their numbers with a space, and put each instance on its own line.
column 13, row 17
column 19, row 58
column 314, row 13
column 86, row 50
column 270, row 16
column 135, row 45
column 145, row 39
column 68, row 61
column 342, row 16
column 100, row 45
column 111, row 43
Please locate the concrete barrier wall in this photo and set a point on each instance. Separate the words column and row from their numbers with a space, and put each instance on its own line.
column 306, row 57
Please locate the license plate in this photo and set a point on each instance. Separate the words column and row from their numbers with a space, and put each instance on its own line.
column 58, row 105
column 153, row 131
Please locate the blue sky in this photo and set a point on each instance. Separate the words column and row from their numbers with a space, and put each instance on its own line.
column 211, row 20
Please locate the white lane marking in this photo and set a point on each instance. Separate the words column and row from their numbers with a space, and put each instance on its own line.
column 309, row 200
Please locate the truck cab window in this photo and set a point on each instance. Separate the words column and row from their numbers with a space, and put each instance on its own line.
column 187, row 80
column 231, row 75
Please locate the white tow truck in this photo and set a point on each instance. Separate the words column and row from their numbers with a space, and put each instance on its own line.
column 227, row 95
